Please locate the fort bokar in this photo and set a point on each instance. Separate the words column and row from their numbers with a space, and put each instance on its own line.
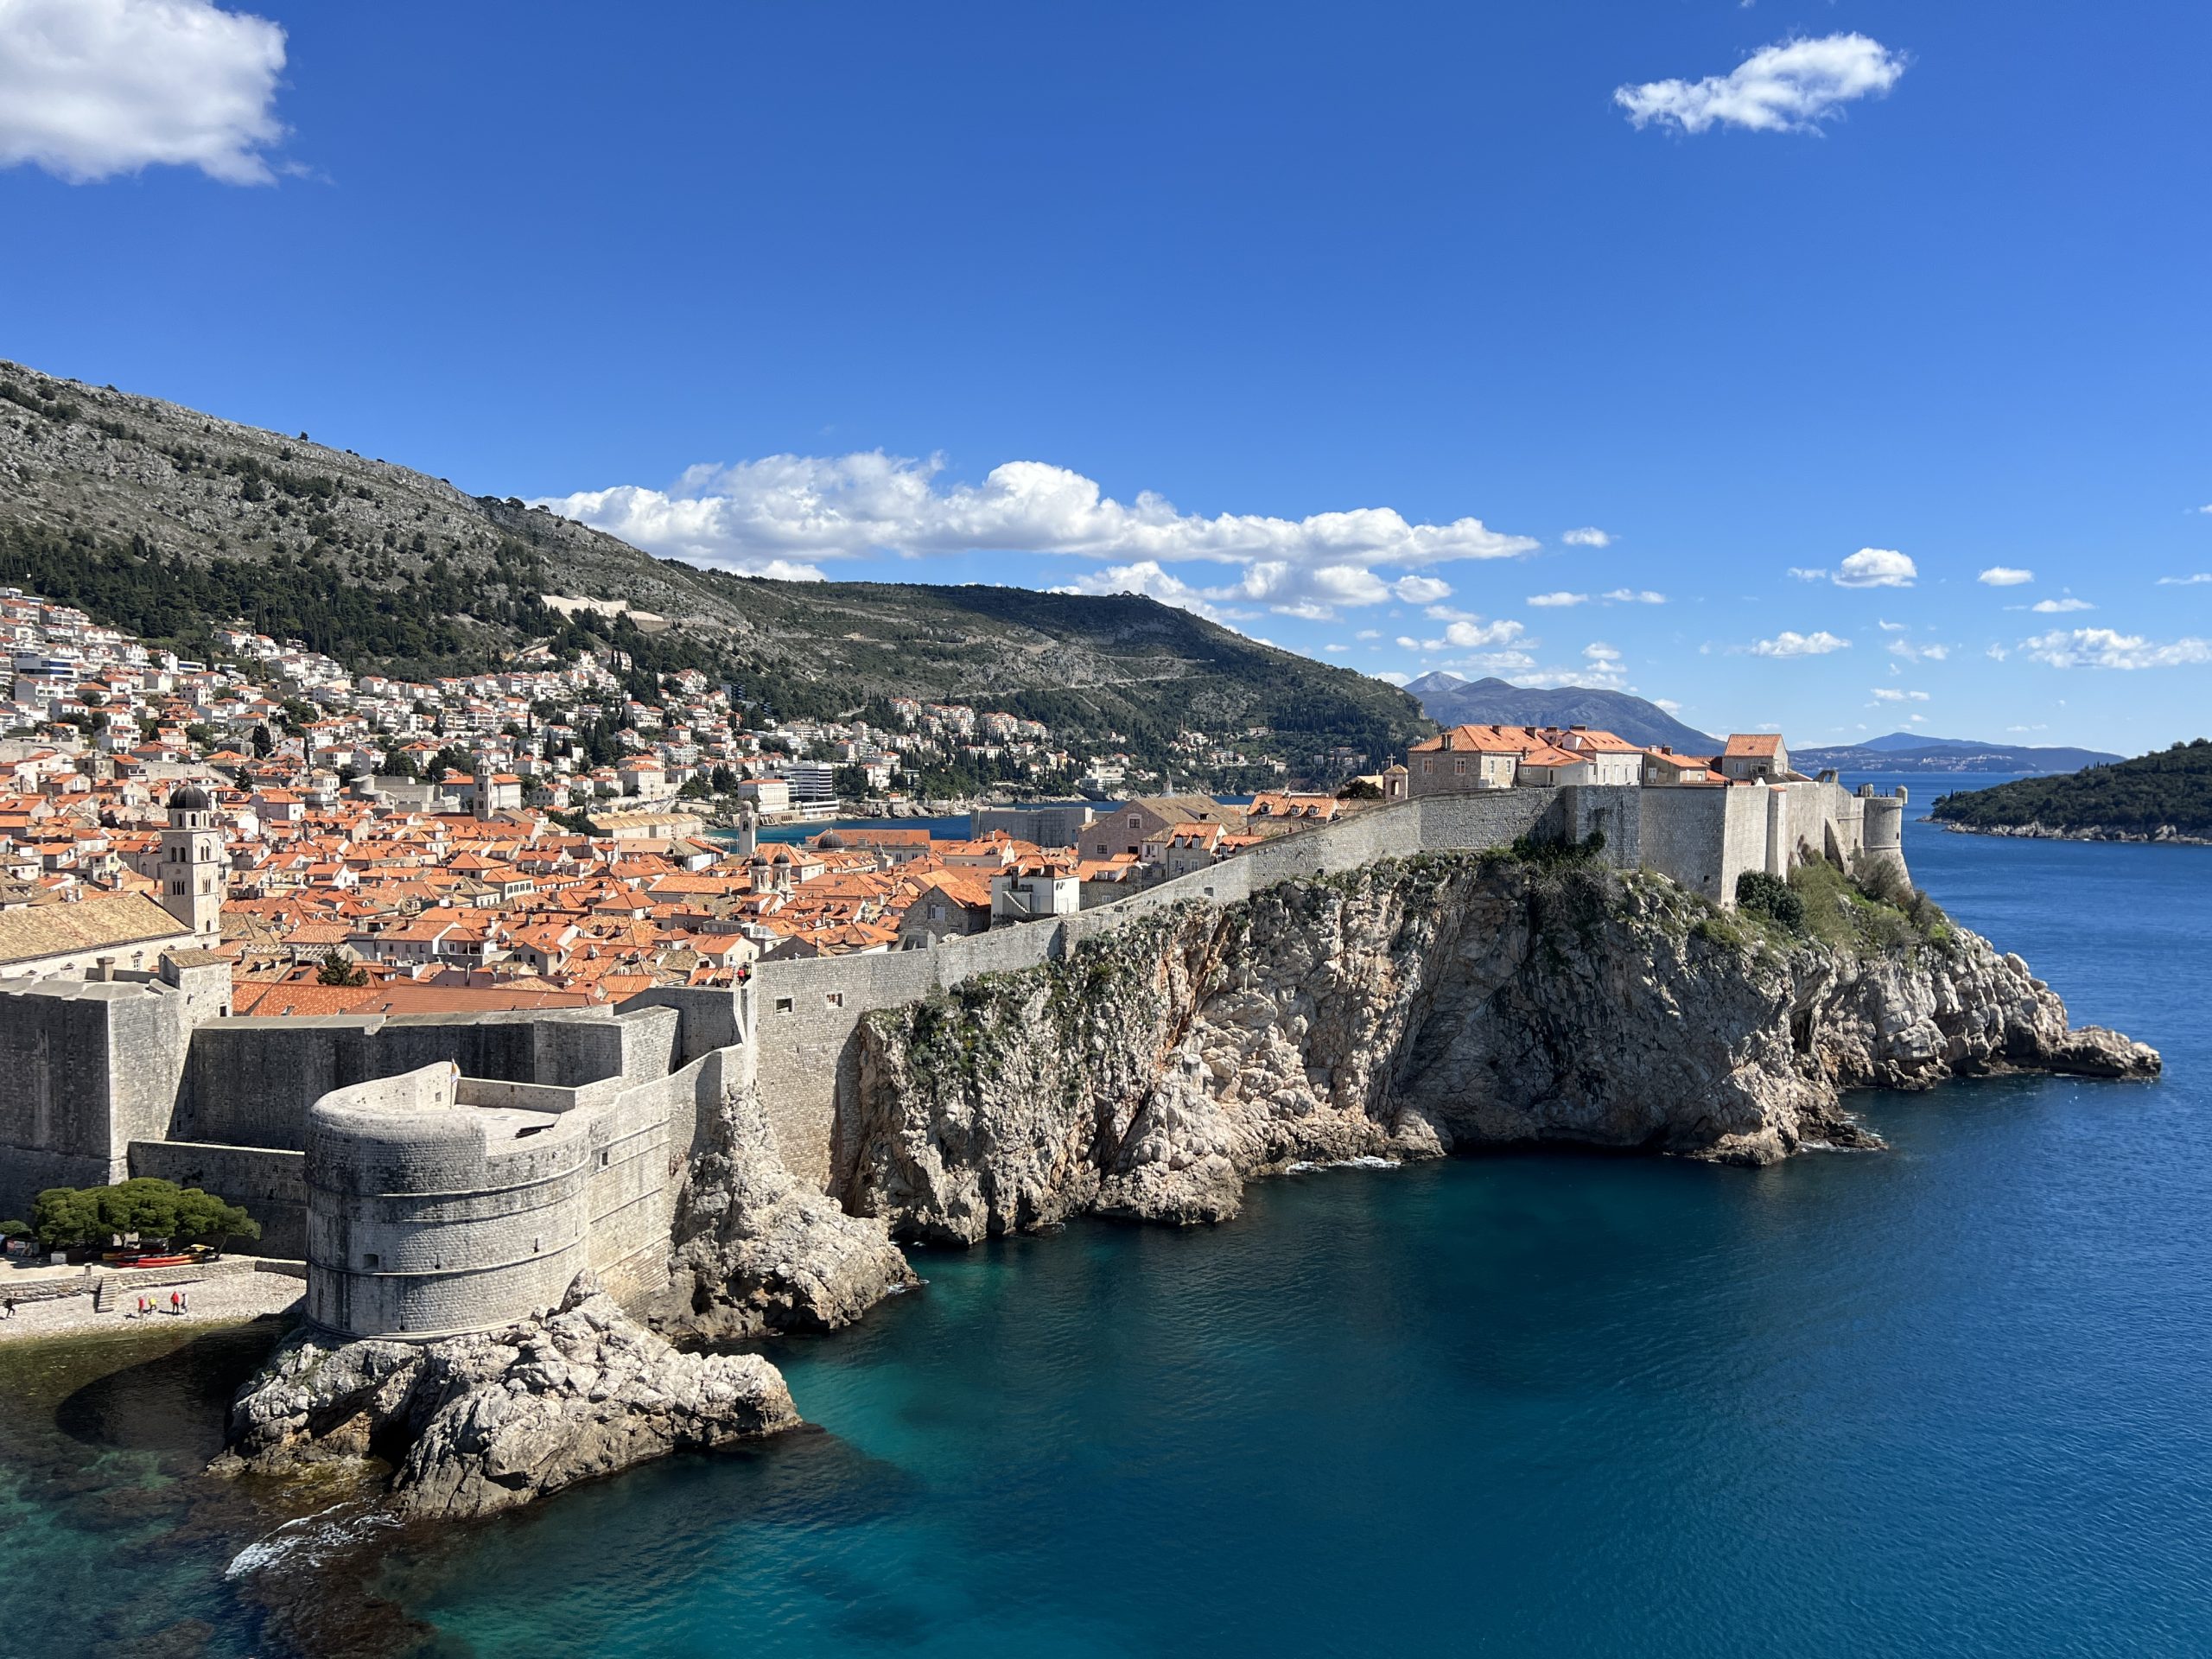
column 508, row 1221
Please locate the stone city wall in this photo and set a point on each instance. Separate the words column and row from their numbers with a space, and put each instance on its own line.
column 427, row 1216
column 437, row 1205
column 86, row 1067
column 271, row 1185
column 250, row 1082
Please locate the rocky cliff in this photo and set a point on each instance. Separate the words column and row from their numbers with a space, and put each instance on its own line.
column 479, row 1423
column 1411, row 1007
column 755, row 1251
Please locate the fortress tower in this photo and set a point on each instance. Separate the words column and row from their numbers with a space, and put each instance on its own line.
column 194, row 871
column 1883, row 826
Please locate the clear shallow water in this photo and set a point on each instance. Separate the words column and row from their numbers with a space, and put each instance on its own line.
column 1951, row 1399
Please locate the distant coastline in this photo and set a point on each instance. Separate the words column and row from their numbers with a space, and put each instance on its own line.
column 2165, row 835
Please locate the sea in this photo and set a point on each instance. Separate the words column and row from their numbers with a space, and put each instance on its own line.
column 1952, row 1398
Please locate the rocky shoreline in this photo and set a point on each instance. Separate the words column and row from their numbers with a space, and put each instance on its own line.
column 2165, row 835
column 480, row 1423
column 1409, row 1010
column 1403, row 1010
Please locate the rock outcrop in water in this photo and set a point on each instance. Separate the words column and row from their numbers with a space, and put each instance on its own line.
column 1407, row 1008
column 756, row 1251
column 480, row 1423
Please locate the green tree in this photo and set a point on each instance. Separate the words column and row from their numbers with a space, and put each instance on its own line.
column 263, row 743
column 63, row 1216
column 336, row 970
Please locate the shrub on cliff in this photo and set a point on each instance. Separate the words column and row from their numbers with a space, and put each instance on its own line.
column 1770, row 896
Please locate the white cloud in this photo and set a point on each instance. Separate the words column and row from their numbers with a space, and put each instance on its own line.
column 2200, row 578
column 2108, row 648
column 1913, row 653
column 92, row 88
column 1997, row 653
column 1818, row 643
column 1790, row 87
column 847, row 506
column 1336, row 650
column 1804, row 575
column 1390, row 676
column 1407, row 642
column 2058, row 607
column 1420, row 590
column 1891, row 628
column 1666, row 703
column 1368, row 634
column 1599, row 651
column 2004, row 575
column 1588, row 536
column 1876, row 567
column 1891, row 694
column 1634, row 596
column 1550, row 601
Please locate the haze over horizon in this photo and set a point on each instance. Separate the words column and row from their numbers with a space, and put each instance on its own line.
column 1835, row 367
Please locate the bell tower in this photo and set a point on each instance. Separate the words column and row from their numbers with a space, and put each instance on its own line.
column 193, row 871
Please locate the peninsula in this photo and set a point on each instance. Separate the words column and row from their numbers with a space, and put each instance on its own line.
column 2166, row 795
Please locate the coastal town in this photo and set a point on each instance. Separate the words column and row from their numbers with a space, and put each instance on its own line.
column 540, row 838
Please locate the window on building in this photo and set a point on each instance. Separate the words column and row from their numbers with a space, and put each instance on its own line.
column 783, row 1005
column 835, row 999
column 1460, row 766
column 369, row 1261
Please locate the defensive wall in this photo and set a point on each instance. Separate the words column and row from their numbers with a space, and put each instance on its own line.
column 438, row 1204
column 88, row 1066
column 806, row 1013
column 450, row 1173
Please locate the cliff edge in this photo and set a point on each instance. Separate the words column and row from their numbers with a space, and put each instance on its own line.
column 1409, row 1008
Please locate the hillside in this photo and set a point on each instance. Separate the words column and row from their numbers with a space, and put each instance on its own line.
column 2157, row 797
column 1909, row 751
column 1450, row 701
column 163, row 521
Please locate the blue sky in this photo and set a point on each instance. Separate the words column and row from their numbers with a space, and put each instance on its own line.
column 1334, row 323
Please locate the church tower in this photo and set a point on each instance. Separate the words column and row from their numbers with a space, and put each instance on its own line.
column 193, row 873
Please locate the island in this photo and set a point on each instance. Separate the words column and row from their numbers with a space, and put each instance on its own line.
column 2166, row 795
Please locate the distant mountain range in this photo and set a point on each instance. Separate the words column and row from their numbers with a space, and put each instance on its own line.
column 1450, row 701
column 1915, row 752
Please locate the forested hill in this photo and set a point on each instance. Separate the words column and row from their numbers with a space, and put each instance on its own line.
column 166, row 522
column 2153, row 797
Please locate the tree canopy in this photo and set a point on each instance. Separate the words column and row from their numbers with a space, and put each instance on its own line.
column 146, row 1205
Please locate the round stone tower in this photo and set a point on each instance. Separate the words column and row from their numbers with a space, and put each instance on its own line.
column 428, row 1215
column 1882, row 826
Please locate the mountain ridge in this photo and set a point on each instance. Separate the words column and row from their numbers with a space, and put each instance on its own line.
column 167, row 522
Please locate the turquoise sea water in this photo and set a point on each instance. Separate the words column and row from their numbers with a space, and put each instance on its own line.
column 1956, row 1398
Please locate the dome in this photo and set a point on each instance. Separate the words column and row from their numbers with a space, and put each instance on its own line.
column 190, row 798
column 829, row 842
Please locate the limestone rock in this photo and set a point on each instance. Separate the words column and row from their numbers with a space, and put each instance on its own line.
column 1400, row 1011
column 480, row 1423
column 755, row 1250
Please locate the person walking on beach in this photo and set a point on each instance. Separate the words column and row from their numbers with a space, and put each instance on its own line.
column 176, row 1302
